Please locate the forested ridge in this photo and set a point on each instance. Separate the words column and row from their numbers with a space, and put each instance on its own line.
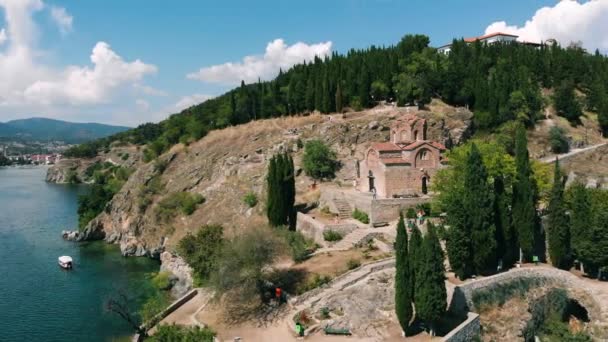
column 500, row 83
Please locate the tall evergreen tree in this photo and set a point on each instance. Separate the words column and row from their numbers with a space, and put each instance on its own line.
column 281, row 191
column 403, row 279
column 477, row 203
column 459, row 243
column 415, row 252
column 506, row 237
column 524, row 197
column 558, row 225
column 566, row 103
column 581, row 221
column 339, row 104
column 431, row 299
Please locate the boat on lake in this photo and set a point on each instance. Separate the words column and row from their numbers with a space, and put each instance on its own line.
column 66, row 262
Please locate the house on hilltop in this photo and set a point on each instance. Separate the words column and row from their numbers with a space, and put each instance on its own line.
column 404, row 166
column 492, row 38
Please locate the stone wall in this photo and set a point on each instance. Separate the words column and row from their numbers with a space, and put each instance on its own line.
column 462, row 299
column 354, row 198
column 466, row 331
column 314, row 229
column 386, row 210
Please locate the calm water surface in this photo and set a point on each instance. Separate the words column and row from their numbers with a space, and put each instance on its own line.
column 38, row 300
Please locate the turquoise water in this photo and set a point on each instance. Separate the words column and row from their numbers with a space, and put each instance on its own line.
column 38, row 300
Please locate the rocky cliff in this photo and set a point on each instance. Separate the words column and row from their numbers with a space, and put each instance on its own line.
column 229, row 163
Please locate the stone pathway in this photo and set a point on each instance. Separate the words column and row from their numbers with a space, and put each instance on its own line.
column 573, row 152
column 358, row 236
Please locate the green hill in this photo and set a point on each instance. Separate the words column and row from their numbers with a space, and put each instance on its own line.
column 43, row 129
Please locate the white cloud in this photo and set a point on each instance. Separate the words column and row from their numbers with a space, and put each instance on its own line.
column 28, row 84
column 2, row 36
column 62, row 18
column 568, row 21
column 277, row 55
column 191, row 100
column 85, row 85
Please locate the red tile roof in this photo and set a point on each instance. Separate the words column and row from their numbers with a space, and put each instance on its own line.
column 490, row 35
column 385, row 146
column 387, row 161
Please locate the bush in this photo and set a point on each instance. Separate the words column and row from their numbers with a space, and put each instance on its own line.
column 558, row 140
column 162, row 280
column 316, row 281
column 360, row 216
column 410, row 213
column 353, row 263
column 332, row 235
column 125, row 156
column 250, row 199
column 177, row 333
column 153, row 306
column 300, row 247
column 319, row 161
column 185, row 202
column 71, row 177
column 202, row 250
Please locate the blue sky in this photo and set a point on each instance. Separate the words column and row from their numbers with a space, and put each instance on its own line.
column 175, row 39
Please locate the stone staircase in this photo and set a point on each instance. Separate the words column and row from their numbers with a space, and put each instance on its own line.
column 344, row 209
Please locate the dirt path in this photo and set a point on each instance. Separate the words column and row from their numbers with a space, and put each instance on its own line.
column 185, row 314
column 573, row 152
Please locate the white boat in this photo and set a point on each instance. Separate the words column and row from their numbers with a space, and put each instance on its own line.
column 66, row 262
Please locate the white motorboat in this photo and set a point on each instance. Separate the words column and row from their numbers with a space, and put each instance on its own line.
column 66, row 262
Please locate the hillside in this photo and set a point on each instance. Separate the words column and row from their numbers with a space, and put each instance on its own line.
column 227, row 164
column 43, row 129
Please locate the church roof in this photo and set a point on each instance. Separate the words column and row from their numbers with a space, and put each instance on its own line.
column 386, row 147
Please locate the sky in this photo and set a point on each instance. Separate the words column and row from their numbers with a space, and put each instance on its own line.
column 133, row 61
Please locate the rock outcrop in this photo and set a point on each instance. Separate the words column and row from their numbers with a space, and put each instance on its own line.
column 182, row 273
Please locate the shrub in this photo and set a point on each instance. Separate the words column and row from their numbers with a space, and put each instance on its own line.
column 353, row 263
column 125, row 156
column 300, row 247
column 185, row 202
column 319, row 161
column 360, row 216
column 332, row 235
column 71, row 177
column 410, row 213
column 177, row 333
column 162, row 280
column 558, row 140
column 324, row 312
column 316, row 281
column 202, row 250
column 250, row 199
column 153, row 306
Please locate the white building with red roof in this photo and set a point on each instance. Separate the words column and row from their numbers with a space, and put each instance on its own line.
column 491, row 38
column 404, row 166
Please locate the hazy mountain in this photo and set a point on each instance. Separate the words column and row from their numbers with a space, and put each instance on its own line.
column 50, row 129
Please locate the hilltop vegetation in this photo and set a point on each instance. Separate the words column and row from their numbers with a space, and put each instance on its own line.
column 500, row 83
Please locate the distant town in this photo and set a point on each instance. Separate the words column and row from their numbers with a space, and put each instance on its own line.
column 31, row 152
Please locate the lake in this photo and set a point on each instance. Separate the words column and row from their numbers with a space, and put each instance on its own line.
column 38, row 300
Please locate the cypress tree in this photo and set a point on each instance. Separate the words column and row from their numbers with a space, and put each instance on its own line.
column 339, row 98
column 581, row 221
column 415, row 251
column 290, row 192
column 559, row 231
column 524, row 197
column 459, row 242
column 506, row 238
column 273, row 193
column 477, row 203
column 403, row 279
column 431, row 297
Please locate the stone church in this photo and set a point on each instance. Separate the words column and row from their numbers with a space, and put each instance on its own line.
column 403, row 167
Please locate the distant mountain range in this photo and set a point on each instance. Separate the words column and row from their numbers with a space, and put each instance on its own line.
column 43, row 129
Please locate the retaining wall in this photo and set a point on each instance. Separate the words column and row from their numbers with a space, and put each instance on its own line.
column 314, row 229
column 465, row 331
column 385, row 210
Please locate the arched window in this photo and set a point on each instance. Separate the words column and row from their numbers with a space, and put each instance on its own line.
column 415, row 135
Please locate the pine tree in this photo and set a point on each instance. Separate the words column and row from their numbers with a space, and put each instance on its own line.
column 403, row 279
column 602, row 115
column 415, row 252
column 566, row 103
column 339, row 98
column 477, row 203
column 524, row 197
column 558, row 226
column 431, row 297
